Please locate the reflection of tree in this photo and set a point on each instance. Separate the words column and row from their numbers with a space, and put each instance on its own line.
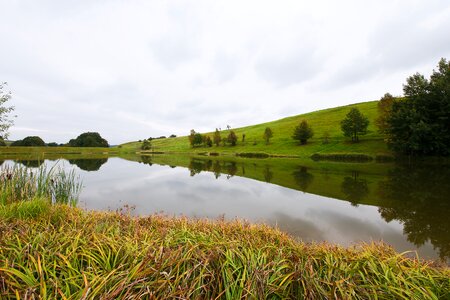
column 303, row 178
column 147, row 160
column 231, row 169
column 217, row 169
column 268, row 175
column 31, row 163
column 196, row 166
column 418, row 197
column 1, row 162
column 88, row 164
column 354, row 188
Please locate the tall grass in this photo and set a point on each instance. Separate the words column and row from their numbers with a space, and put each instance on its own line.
column 19, row 183
column 68, row 253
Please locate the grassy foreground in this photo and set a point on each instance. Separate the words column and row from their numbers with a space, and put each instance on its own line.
column 62, row 252
column 324, row 122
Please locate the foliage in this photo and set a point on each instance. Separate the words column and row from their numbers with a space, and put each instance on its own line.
column 20, row 183
column 195, row 139
column 354, row 124
column 303, row 132
column 146, row 145
column 89, row 139
column 420, row 123
column 268, row 134
column 173, row 136
column 30, row 141
column 232, row 138
column 217, row 138
column 384, row 111
column 5, row 119
column 2, row 142
column 207, row 141
column 67, row 253
column 52, row 144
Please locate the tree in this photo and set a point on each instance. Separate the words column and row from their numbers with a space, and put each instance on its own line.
column 89, row 139
column 354, row 124
column 5, row 119
column 207, row 142
column 232, row 138
column 146, row 145
column 384, row 111
column 198, row 139
column 217, row 138
column 30, row 141
column 191, row 137
column 420, row 123
column 303, row 132
column 267, row 135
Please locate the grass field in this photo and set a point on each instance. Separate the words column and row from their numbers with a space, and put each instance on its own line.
column 323, row 121
column 59, row 252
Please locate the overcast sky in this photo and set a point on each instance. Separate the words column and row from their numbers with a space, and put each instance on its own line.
column 134, row 69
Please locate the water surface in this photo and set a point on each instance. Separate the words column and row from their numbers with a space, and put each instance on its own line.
column 406, row 206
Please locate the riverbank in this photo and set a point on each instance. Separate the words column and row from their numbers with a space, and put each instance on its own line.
column 63, row 252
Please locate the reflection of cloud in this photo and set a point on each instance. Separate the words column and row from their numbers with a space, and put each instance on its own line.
column 297, row 227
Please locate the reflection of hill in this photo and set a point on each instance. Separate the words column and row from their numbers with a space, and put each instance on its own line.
column 88, row 164
column 419, row 198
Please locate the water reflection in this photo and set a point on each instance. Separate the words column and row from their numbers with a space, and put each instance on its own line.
column 303, row 178
column 89, row 164
column 405, row 206
column 354, row 188
column 418, row 197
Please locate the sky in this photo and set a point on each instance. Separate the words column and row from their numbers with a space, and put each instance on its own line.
column 137, row 69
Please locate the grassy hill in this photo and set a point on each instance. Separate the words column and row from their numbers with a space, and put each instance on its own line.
column 322, row 121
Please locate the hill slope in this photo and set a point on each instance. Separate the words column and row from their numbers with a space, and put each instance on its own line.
column 322, row 121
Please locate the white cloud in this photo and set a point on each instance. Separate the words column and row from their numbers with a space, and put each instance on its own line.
column 135, row 69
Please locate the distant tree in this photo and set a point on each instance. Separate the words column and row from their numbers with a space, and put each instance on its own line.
column 268, row 134
column 5, row 119
column 207, row 142
column 89, row 139
column 172, row 136
column 232, row 138
column 191, row 137
column 303, row 132
column 243, row 137
column 354, row 124
column 228, row 127
column 30, row 141
column 217, row 138
column 146, row 145
column 420, row 123
column 197, row 140
column 384, row 111
column 52, row 144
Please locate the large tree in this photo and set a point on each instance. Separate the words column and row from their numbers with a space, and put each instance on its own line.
column 420, row 123
column 30, row 141
column 354, row 124
column 5, row 119
column 89, row 139
column 303, row 132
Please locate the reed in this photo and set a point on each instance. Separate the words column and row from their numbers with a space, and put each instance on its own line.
column 67, row 253
column 19, row 183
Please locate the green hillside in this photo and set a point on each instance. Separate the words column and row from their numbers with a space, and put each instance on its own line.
column 322, row 122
